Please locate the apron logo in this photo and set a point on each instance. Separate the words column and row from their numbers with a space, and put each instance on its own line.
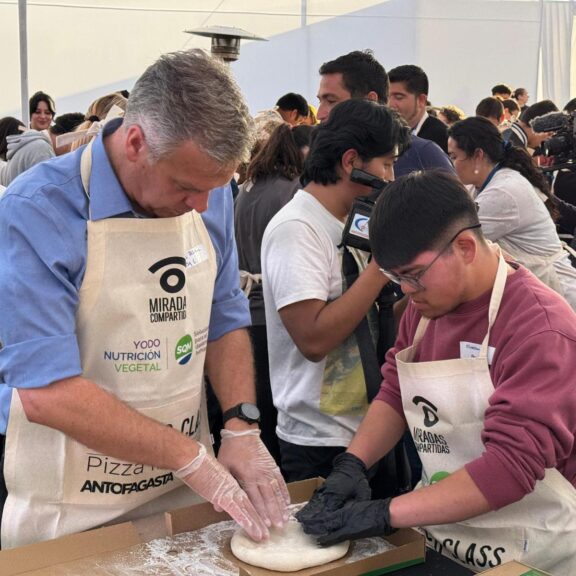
column 173, row 279
column 430, row 416
column 184, row 349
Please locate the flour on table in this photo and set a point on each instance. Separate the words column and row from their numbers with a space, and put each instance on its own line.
column 197, row 553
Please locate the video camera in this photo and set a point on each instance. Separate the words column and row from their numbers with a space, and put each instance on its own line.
column 562, row 146
column 355, row 232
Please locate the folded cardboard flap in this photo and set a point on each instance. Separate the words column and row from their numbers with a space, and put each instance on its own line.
column 514, row 568
column 67, row 548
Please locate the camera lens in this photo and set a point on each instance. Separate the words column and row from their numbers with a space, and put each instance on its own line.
column 556, row 145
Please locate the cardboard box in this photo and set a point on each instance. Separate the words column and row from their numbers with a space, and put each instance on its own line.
column 78, row 553
column 514, row 569
column 410, row 545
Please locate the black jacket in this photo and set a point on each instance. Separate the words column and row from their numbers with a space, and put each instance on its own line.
column 435, row 130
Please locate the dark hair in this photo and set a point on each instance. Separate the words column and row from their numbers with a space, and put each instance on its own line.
column 570, row 106
column 419, row 212
column 8, row 127
column 371, row 129
column 280, row 154
column 66, row 123
column 519, row 92
column 501, row 89
column 452, row 113
column 478, row 133
column 302, row 135
column 490, row 108
column 38, row 97
column 124, row 93
column 361, row 74
column 413, row 77
column 511, row 105
column 538, row 109
column 292, row 101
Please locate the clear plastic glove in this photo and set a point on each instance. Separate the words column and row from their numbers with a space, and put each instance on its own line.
column 354, row 520
column 206, row 476
column 348, row 482
column 244, row 454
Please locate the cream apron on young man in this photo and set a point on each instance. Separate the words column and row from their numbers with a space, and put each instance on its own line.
column 142, row 328
column 444, row 402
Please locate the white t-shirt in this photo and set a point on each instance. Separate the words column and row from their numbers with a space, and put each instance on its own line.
column 510, row 209
column 319, row 403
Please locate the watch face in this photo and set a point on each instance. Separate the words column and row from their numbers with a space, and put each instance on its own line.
column 251, row 411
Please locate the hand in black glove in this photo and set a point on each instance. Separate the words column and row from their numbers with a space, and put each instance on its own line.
column 348, row 481
column 354, row 520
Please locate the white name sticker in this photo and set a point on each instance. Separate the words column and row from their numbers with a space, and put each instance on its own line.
column 196, row 255
column 359, row 226
column 471, row 350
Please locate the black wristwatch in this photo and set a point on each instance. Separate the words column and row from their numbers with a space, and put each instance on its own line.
column 245, row 411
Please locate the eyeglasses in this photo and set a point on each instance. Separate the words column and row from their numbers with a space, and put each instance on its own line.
column 413, row 280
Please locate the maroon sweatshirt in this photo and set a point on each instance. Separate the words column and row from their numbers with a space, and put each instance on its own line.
column 530, row 423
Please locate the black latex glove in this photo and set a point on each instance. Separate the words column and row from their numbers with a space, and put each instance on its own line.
column 348, row 481
column 354, row 520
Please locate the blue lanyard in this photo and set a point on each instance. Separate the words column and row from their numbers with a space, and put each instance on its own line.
column 490, row 176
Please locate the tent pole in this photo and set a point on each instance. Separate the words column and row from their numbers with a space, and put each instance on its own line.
column 23, row 26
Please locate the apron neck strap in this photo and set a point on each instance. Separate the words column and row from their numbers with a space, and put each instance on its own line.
column 86, row 168
column 495, row 300
column 85, row 171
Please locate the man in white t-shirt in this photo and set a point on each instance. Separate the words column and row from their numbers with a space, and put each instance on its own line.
column 316, row 374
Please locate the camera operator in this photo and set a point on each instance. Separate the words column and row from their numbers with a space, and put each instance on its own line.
column 560, row 151
column 316, row 372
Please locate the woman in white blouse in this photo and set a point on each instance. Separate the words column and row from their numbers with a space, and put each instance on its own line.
column 515, row 206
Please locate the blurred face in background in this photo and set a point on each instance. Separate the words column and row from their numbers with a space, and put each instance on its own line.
column 410, row 106
column 41, row 117
column 330, row 93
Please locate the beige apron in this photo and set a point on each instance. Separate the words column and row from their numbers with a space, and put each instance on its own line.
column 444, row 403
column 541, row 266
column 142, row 329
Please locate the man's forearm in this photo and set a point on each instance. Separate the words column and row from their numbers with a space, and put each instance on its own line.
column 319, row 327
column 453, row 499
column 85, row 412
column 230, row 368
column 379, row 432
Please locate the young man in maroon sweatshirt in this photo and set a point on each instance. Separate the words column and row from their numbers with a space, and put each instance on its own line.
column 482, row 376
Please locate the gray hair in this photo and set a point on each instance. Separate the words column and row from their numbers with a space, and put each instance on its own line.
column 189, row 95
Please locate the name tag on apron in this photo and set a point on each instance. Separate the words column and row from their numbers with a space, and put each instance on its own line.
column 472, row 350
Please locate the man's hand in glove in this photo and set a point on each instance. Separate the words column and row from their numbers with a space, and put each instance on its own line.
column 244, row 454
column 206, row 476
column 354, row 520
column 348, row 482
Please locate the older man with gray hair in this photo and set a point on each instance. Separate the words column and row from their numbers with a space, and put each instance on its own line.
column 117, row 296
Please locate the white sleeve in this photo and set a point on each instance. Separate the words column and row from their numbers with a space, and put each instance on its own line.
column 498, row 212
column 296, row 263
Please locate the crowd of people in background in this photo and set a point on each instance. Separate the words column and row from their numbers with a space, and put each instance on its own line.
column 441, row 137
column 310, row 387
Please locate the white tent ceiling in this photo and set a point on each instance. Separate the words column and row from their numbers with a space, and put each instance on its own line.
column 79, row 49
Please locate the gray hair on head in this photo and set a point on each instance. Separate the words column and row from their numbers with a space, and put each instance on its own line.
column 191, row 96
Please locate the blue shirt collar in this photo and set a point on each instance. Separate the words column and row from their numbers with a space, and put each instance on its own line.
column 107, row 197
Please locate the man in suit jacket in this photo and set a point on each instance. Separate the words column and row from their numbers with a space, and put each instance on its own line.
column 408, row 95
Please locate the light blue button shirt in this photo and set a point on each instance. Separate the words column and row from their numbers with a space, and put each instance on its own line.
column 43, row 218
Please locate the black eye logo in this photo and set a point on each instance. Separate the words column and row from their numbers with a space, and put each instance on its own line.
column 173, row 279
column 430, row 416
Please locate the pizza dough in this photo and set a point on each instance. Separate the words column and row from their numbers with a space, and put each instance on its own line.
column 286, row 550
